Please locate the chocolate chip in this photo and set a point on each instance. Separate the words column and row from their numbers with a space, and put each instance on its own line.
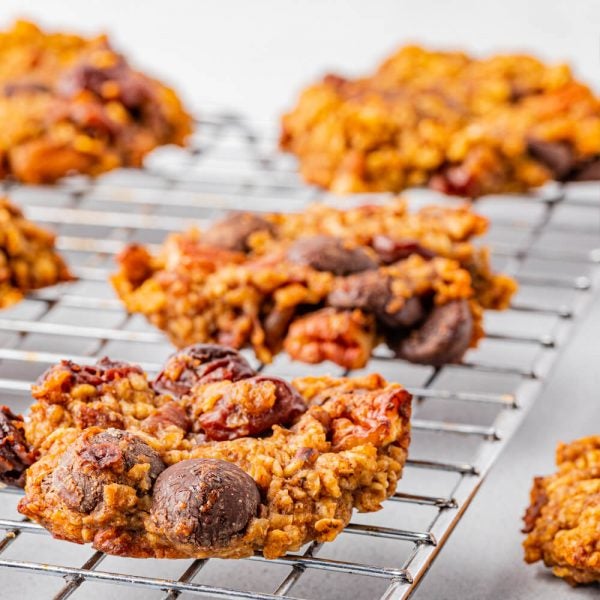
column 327, row 253
column 590, row 171
column 234, row 231
column 411, row 313
column 203, row 501
column 443, row 338
column 371, row 291
column 558, row 157
column 198, row 364
column 276, row 325
column 98, row 459
column 15, row 455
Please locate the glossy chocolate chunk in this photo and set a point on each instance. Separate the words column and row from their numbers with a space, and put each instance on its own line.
column 204, row 501
column 443, row 338
column 232, row 232
column 327, row 253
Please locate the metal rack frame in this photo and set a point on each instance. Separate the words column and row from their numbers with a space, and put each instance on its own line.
column 245, row 170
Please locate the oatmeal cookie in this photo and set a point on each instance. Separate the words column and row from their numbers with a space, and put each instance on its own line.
column 324, row 284
column 458, row 124
column 210, row 459
column 73, row 105
column 28, row 260
column 563, row 521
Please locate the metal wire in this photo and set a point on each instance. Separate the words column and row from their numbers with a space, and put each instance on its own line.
column 474, row 407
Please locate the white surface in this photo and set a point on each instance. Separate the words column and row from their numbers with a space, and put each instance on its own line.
column 254, row 56
column 483, row 558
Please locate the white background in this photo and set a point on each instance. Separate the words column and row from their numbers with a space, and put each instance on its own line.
column 254, row 56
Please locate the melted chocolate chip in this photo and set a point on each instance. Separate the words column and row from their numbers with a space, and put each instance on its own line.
column 327, row 253
column 589, row 171
column 205, row 502
column 104, row 371
column 234, row 231
column 167, row 415
column 371, row 291
column 557, row 156
column 276, row 325
column 443, row 338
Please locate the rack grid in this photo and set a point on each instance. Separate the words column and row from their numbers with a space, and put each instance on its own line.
column 464, row 414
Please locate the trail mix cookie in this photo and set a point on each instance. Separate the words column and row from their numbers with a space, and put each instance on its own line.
column 73, row 105
column 460, row 125
column 325, row 284
column 210, row 459
column 563, row 521
column 28, row 260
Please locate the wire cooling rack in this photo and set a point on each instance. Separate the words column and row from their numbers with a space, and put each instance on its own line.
column 463, row 415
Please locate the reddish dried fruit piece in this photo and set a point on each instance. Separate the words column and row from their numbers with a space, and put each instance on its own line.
column 456, row 181
column 205, row 502
column 371, row 291
column 234, row 231
column 443, row 338
column 391, row 250
column 200, row 363
column 113, row 82
column 327, row 253
column 15, row 455
column 69, row 374
column 99, row 458
column 248, row 407
column 168, row 414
